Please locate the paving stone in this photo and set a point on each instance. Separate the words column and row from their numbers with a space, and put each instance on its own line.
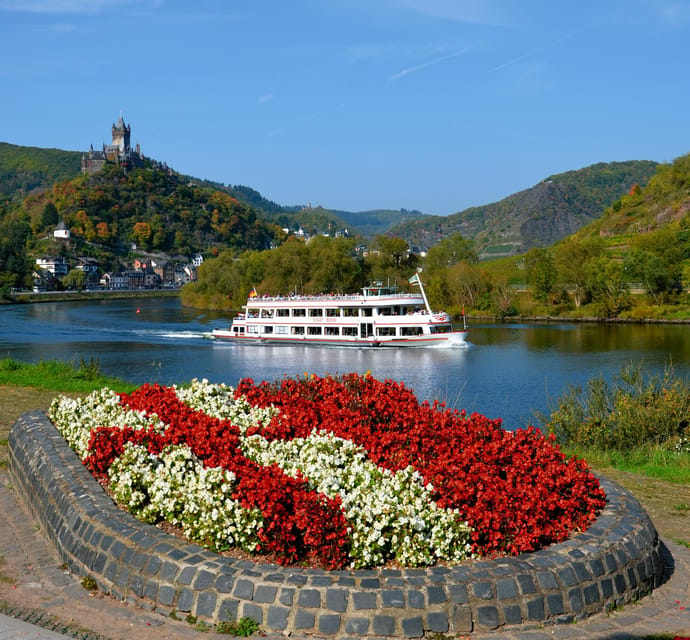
column 329, row 623
column 413, row 627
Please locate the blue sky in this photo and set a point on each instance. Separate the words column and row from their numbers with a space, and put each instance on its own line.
column 435, row 105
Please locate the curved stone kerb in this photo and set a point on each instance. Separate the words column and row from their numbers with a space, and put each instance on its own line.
column 617, row 560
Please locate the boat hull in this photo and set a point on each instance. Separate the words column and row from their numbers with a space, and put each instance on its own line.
column 451, row 338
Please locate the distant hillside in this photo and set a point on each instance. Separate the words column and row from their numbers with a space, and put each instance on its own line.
column 536, row 217
column 24, row 169
column 378, row 221
column 664, row 202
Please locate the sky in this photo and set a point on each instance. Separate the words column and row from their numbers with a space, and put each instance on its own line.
column 429, row 105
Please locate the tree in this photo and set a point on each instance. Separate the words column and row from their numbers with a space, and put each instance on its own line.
column 572, row 259
column 541, row 272
column 605, row 283
column 448, row 252
column 650, row 269
column 49, row 217
column 389, row 259
column 75, row 279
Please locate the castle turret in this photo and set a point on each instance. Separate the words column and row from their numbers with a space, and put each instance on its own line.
column 121, row 134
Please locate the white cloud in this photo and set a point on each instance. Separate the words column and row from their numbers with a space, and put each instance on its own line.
column 269, row 97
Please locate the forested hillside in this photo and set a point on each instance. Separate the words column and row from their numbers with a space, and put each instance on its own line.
column 23, row 169
column 154, row 208
column 536, row 217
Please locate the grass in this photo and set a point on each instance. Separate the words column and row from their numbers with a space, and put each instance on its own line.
column 650, row 461
column 62, row 377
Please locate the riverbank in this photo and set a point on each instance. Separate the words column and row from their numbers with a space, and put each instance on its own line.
column 96, row 294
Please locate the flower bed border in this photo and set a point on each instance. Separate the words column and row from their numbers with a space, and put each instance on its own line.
column 617, row 560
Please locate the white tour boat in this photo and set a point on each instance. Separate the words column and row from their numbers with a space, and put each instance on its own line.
column 379, row 317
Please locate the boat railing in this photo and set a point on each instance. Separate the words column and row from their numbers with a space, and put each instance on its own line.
column 334, row 297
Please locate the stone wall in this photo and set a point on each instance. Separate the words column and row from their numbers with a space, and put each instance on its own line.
column 616, row 561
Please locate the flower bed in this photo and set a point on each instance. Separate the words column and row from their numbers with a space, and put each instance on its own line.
column 347, row 471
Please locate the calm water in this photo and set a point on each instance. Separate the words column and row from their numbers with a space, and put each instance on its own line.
column 507, row 371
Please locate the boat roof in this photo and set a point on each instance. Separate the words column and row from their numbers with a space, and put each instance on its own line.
column 369, row 294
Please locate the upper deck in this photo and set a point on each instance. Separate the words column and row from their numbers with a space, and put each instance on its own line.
column 370, row 296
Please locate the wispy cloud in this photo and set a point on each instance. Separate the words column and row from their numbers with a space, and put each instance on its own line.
column 485, row 12
column 425, row 65
column 73, row 6
column 299, row 121
column 671, row 13
column 529, row 54
column 269, row 97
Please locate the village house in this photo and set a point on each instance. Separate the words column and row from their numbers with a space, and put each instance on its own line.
column 61, row 232
column 56, row 265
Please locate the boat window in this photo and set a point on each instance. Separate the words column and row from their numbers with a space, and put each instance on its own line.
column 314, row 331
column 282, row 313
column 268, row 329
column 297, row 331
column 350, row 331
column 266, row 313
column 315, row 313
column 411, row 331
column 385, row 311
column 332, row 331
column 350, row 312
column 281, row 329
column 441, row 328
column 367, row 311
column 385, row 331
column 332, row 313
column 252, row 313
column 252, row 328
column 299, row 313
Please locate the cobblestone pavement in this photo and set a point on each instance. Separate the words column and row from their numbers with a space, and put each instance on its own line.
column 40, row 600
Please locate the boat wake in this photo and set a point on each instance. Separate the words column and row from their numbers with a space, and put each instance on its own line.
column 172, row 335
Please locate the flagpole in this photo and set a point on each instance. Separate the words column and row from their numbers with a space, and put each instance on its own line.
column 415, row 279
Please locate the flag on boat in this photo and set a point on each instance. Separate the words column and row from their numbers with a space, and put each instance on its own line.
column 414, row 279
column 252, row 293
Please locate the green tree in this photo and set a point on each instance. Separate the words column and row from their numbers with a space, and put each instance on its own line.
column 606, row 284
column 49, row 217
column 541, row 272
column 449, row 252
column 75, row 279
column 656, row 274
column 572, row 259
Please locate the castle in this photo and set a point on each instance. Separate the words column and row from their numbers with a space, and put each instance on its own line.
column 119, row 152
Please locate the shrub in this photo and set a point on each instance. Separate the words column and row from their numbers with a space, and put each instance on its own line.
column 633, row 410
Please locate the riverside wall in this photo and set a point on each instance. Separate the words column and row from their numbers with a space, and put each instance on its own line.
column 616, row 561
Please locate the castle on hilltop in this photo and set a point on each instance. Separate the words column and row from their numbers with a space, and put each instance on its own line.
column 119, row 152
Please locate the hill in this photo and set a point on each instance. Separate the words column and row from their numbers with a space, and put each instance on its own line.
column 377, row 221
column 26, row 169
column 536, row 217
column 663, row 202
column 154, row 208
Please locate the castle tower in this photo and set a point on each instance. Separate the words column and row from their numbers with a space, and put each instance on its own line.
column 121, row 134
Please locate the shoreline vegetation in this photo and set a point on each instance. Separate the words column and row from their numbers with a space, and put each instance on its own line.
column 76, row 296
column 28, row 297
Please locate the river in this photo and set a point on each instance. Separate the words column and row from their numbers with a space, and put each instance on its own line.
column 508, row 370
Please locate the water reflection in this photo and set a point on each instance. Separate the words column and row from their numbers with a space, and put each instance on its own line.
column 506, row 372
